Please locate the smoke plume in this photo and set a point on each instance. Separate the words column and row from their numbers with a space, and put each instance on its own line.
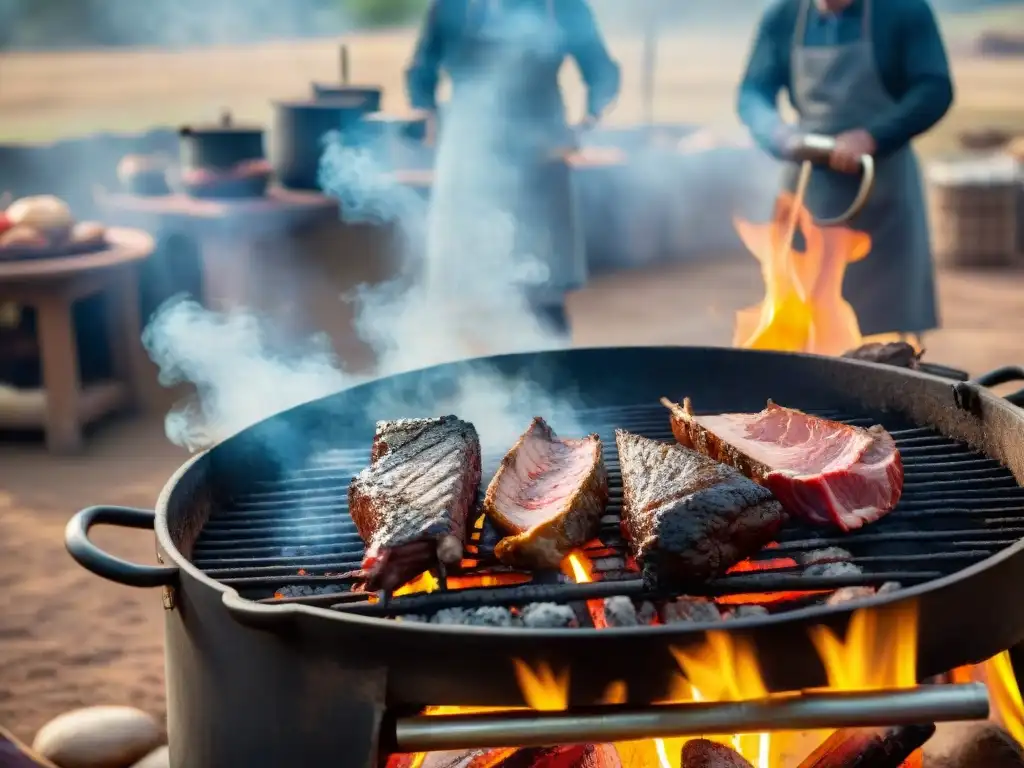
column 463, row 292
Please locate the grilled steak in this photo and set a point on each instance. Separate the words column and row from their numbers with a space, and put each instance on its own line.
column 411, row 505
column 549, row 494
column 897, row 353
column 822, row 471
column 688, row 518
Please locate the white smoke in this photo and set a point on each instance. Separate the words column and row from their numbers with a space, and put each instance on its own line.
column 461, row 294
column 239, row 375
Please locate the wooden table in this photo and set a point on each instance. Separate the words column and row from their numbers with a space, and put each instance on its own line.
column 51, row 286
column 225, row 230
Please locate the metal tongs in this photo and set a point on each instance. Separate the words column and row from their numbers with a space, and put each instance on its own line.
column 811, row 149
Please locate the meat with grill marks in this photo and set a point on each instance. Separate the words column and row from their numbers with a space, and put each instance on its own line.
column 411, row 506
column 825, row 472
column 688, row 518
column 548, row 495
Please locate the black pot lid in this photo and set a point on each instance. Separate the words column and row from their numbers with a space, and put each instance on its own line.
column 327, row 104
column 410, row 117
column 226, row 126
column 349, row 88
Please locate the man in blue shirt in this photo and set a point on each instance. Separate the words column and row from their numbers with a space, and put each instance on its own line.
column 504, row 131
column 874, row 74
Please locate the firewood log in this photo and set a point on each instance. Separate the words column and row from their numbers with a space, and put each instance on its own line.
column 701, row 753
column 869, row 747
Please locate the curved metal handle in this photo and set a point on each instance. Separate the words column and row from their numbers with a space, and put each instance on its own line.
column 867, row 183
column 94, row 559
column 1004, row 375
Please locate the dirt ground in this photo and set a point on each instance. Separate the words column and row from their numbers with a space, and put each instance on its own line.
column 69, row 639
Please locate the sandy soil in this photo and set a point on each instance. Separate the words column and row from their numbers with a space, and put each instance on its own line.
column 69, row 639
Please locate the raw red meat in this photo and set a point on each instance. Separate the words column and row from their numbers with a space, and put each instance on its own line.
column 821, row 471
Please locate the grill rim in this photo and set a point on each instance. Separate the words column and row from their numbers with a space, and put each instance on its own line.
column 438, row 664
column 265, row 615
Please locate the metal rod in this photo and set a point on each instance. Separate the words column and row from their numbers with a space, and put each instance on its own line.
column 650, row 62
column 474, row 597
column 344, row 65
column 806, row 711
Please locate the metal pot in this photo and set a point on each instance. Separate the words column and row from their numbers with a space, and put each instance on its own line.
column 221, row 146
column 300, row 129
column 366, row 97
column 283, row 683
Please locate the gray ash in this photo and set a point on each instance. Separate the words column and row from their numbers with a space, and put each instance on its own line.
column 825, row 555
column 833, row 569
column 846, row 594
column 309, row 590
column 620, row 612
column 487, row 616
column 648, row 613
column 745, row 612
column 548, row 616
column 695, row 609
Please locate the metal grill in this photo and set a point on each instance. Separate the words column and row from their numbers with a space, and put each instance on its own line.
column 290, row 538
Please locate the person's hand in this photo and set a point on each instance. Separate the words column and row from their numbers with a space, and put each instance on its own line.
column 786, row 140
column 850, row 147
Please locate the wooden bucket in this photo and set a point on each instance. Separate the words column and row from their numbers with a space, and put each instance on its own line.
column 973, row 211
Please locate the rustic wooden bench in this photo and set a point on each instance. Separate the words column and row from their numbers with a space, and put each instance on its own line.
column 51, row 286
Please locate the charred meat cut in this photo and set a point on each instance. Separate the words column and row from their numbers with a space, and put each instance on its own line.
column 411, row 505
column 688, row 518
column 896, row 353
column 822, row 471
column 548, row 495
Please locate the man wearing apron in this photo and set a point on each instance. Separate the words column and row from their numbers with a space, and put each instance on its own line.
column 874, row 74
column 503, row 137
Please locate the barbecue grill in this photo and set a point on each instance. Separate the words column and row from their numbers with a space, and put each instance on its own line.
column 313, row 676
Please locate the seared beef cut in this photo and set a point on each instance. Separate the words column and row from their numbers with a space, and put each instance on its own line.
column 822, row 471
column 549, row 494
column 412, row 504
column 896, row 353
column 688, row 518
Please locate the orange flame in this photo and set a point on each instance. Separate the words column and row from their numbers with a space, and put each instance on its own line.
column 542, row 689
column 1004, row 693
column 879, row 650
column 803, row 309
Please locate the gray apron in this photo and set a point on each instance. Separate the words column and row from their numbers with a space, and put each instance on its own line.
column 507, row 109
column 838, row 88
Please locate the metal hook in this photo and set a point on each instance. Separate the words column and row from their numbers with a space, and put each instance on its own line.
column 817, row 149
column 867, row 183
